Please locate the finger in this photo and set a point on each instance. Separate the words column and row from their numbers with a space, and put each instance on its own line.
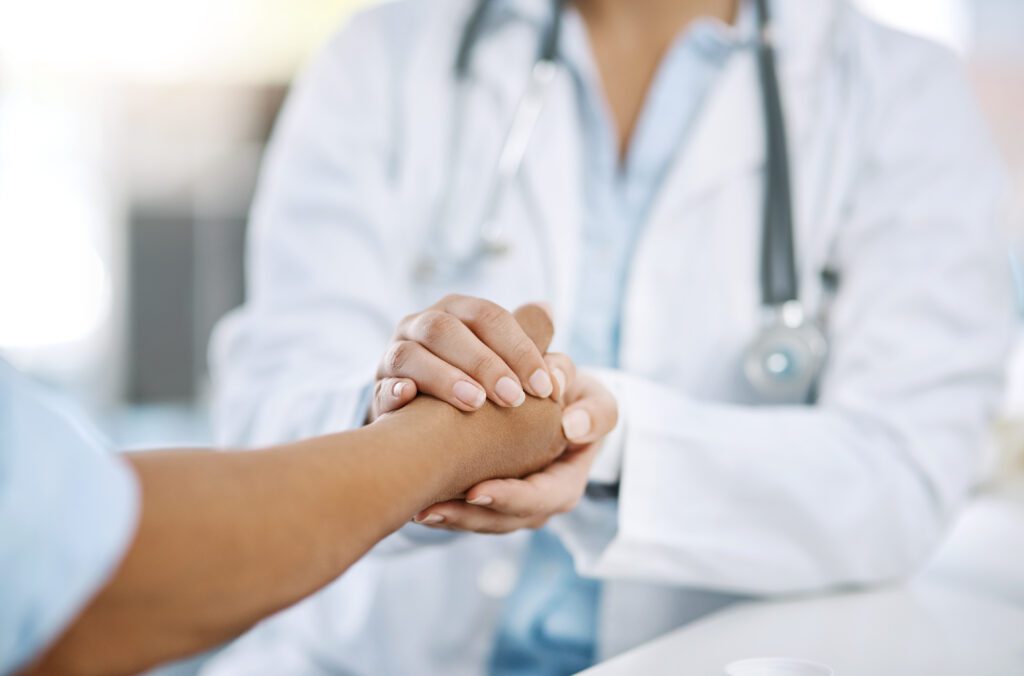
column 563, row 372
column 554, row 490
column 432, row 375
column 450, row 340
column 434, row 514
column 500, row 331
column 391, row 394
column 592, row 412
column 536, row 321
column 460, row 516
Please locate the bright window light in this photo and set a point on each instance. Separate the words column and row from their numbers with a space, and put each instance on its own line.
column 946, row 21
column 164, row 40
column 54, row 287
column 52, row 292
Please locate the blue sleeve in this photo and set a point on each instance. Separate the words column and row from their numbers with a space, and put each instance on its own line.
column 68, row 509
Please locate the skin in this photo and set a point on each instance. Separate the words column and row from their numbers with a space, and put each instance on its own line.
column 464, row 351
column 226, row 539
column 481, row 328
column 507, row 505
column 628, row 40
column 260, row 530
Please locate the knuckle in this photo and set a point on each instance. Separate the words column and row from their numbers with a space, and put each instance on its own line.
column 433, row 327
column 523, row 352
column 406, row 322
column 484, row 363
column 398, row 355
column 488, row 313
column 378, row 400
column 379, row 390
column 538, row 523
column 452, row 298
column 530, row 510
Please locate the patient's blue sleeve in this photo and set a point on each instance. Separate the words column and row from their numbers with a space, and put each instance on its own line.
column 68, row 509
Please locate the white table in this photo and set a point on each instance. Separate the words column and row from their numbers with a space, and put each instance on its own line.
column 922, row 629
column 984, row 552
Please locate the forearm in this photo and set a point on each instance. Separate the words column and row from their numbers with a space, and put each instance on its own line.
column 226, row 539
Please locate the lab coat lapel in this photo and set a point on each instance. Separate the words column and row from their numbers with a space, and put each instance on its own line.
column 552, row 190
column 727, row 139
column 549, row 187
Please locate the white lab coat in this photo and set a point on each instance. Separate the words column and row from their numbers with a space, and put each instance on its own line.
column 895, row 188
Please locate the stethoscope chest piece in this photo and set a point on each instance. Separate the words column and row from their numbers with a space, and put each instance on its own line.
column 783, row 363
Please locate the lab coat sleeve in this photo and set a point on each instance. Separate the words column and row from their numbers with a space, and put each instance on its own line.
column 299, row 358
column 325, row 244
column 859, row 488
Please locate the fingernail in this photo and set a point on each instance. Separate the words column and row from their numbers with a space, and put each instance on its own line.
column 560, row 377
column 576, row 424
column 398, row 389
column 469, row 394
column 482, row 501
column 431, row 519
column 510, row 392
column 540, row 381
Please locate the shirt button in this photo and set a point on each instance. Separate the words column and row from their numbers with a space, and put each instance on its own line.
column 497, row 578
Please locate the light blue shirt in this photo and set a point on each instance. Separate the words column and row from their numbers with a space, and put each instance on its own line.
column 549, row 625
column 67, row 514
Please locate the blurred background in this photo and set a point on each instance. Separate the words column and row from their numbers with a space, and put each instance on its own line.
column 130, row 138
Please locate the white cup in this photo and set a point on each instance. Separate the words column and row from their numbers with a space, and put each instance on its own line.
column 777, row 666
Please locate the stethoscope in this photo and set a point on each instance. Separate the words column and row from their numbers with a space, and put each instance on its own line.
column 783, row 362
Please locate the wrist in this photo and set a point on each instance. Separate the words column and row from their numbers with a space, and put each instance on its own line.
column 446, row 452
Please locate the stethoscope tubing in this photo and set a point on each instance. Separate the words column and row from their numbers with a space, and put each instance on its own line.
column 787, row 328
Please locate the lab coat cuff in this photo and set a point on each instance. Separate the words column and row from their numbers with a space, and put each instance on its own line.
column 604, row 536
column 641, row 479
column 586, row 532
column 607, row 467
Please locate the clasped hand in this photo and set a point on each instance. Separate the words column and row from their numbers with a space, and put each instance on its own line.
column 465, row 351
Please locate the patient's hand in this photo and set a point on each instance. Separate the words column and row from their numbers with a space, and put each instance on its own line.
column 506, row 505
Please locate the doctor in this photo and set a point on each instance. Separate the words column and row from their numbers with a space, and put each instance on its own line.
column 728, row 204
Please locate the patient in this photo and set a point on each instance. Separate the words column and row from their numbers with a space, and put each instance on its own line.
column 225, row 539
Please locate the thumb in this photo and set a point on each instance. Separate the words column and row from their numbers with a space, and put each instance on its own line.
column 536, row 322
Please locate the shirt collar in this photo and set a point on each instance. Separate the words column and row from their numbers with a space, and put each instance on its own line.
column 709, row 37
column 712, row 35
column 806, row 30
column 708, row 30
column 538, row 11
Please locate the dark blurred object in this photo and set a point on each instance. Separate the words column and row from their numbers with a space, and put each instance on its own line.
column 186, row 236
column 162, row 349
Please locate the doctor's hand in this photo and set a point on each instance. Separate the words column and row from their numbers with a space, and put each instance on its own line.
column 462, row 351
column 506, row 505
